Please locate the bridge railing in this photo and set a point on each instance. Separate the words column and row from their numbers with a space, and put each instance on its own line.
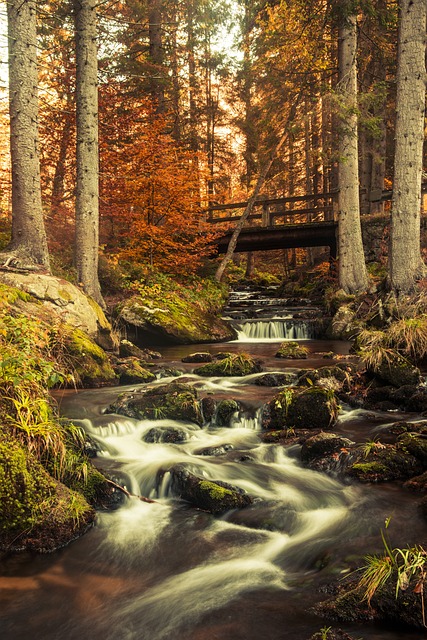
column 319, row 207
column 268, row 212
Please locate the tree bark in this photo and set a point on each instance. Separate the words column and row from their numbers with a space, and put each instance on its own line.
column 87, row 187
column 352, row 270
column 406, row 265
column 29, row 243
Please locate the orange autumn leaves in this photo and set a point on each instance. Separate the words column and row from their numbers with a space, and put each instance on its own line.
column 150, row 189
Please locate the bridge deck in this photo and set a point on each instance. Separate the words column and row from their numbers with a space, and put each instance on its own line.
column 287, row 236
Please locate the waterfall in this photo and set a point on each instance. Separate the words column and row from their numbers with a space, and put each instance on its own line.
column 275, row 329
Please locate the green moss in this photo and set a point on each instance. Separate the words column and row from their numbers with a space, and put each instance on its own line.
column 292, row 350
column 89, row 360
column 9, row 295
column 65, row 294
column 370, row 468
column 215, row 491
column 100, row 315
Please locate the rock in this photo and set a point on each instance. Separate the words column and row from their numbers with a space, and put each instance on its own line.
column 225, row 411
column 417, row 484
column 214, row 496
column 275, row 379
column 415, row 444
column 168, row 373
column 128, row 350
column 300, row 408
column 57, row 298
column 198, row 357
column 170, row 435
column 231, row 364
column 175, row 400
column 219, row 450
column 187, row 324
column 131, row 372
column 398, row 372
column 323, row 445
column 292, row 351
column 91, row 364
column 208, row 407
column 344, row 324
column 384, row 462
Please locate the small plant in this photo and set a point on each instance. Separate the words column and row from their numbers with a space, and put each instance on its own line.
column 405, row 566
column 371, row 446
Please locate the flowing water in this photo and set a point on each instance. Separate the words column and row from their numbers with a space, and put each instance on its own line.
column 166, row 570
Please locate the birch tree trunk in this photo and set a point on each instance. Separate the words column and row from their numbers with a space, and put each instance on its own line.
column 405, row 258
column 352, row 270
column 29, row 245
column 87, row 154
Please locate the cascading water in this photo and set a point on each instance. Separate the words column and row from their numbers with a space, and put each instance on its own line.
column 257, row 316
column 274, row 329
column 170, row 571
column 287, row 529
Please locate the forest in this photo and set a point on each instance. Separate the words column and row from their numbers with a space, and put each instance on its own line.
column 153, row 371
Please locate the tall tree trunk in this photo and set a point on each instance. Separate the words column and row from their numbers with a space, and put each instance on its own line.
column 87, row 187
column 29, row 243
column 405, row 259
column 156, row 54
column 352, row 269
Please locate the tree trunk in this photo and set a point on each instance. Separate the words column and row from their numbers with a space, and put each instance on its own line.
column 352, row 269
column 156, row 54
column 405, row 258
column 87, row 188
column 29, row 243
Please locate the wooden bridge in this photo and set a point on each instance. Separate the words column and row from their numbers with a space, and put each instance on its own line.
column 280, row 223
column 286, row 223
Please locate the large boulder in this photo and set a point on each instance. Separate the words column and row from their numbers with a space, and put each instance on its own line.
column 214, row 496
column 166, row 322
column 50, row 297
column 177, row 401
column 300, row 408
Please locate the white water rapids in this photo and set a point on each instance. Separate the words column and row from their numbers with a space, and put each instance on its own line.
column 296, row 515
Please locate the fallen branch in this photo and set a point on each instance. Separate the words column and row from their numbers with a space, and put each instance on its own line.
column 127, row 493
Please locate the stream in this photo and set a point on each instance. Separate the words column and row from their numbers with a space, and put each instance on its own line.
column 168, row 571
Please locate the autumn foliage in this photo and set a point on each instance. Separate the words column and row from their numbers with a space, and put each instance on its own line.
column 150, row 188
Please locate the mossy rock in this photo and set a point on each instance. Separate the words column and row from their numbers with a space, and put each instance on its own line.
column 225, row 411
column 398, row 372
column 174, row 320
column 415, row 444
column 342, row 374
column 300, row 408
column 90, row 362
column 132, row 372
column 323, row 445
column 275, row 379
column 214, row 496
column 384, row 463
column 198, row 357
column 177, row 401
column 171, row 435
column 349, row 606
column 38, row 513
column 292, row 351
column 230, row 365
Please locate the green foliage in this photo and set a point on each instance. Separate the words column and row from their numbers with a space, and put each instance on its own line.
column 232, row 364
column 293, row 350
column 405, row 567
